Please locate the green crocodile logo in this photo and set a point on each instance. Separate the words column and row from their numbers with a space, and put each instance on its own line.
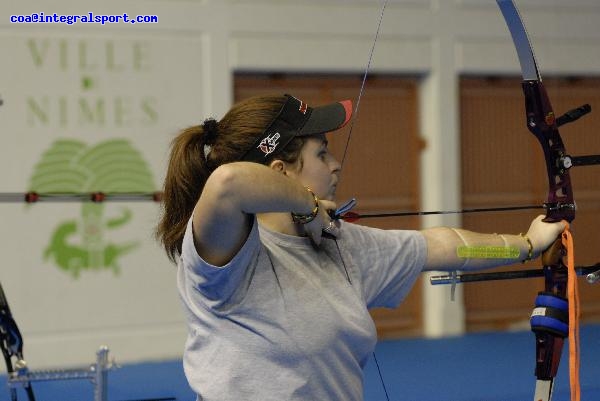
column 70, row 166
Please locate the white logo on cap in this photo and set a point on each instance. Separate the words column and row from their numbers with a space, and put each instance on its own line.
column 268, row 144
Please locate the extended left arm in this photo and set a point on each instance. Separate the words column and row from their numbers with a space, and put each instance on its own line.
column 458, row 249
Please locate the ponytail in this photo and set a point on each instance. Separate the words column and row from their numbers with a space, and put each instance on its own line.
column 197, row 151
column 186, row 175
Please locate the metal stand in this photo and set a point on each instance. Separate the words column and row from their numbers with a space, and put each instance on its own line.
column 97, row 373
column 11, row 345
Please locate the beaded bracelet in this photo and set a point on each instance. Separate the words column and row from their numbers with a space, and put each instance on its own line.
column 530, row 248
column 300, row 218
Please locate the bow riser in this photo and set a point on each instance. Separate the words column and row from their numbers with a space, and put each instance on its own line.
column 541, row 121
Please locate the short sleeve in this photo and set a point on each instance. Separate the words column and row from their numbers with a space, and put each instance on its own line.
column 389, row 262
column 217, row 283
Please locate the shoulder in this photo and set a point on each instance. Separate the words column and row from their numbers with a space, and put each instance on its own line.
column 190, row 258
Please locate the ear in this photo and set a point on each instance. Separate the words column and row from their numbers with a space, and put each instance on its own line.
column 278, row 165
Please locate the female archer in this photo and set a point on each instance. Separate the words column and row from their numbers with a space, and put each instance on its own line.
column 276, row 291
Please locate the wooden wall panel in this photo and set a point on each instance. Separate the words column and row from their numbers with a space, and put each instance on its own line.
column 502, row 164
column 381, row 166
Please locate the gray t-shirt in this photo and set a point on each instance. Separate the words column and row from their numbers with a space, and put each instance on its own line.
column 285, row 320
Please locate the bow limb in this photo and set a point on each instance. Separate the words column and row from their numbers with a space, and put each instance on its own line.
column 560, row 205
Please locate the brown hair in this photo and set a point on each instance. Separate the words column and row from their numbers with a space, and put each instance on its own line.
column 188, row 168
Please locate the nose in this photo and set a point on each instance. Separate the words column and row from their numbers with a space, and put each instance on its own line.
column 335, row 165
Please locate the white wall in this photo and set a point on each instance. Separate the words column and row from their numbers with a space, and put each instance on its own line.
column 152, row 79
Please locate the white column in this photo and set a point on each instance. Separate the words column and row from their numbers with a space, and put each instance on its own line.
column 440, row 171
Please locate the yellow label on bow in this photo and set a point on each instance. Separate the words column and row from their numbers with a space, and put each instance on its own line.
column 488, row 252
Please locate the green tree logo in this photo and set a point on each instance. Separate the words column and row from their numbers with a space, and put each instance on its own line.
column 70, row 166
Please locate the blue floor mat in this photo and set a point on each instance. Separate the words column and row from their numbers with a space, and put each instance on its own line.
column 475, row 367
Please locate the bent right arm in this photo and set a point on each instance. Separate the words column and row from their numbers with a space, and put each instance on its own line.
column 233, row 193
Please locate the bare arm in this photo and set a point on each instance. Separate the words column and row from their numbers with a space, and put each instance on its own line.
column 442, row 244
column 236, row 191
